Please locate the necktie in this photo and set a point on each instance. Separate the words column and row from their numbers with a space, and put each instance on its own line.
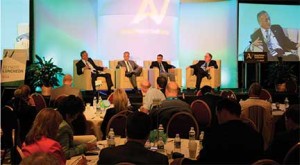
column 161, row 68
column 268, row 41
column 129, row 68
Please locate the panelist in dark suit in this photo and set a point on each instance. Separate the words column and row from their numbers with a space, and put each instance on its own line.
column 132, row 69
column 202, row 67
column 271, row 39
column 88, row 63
column 163, row 67
column 138, row 130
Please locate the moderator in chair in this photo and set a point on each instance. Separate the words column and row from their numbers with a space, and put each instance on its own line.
column 265, row 95
column 202, row 113
column 39, row 101
column 118, row 123
column 181, row 123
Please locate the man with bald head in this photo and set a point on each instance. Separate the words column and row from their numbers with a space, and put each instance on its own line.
column 65, row 89
column 151, row 96
column 169, row 107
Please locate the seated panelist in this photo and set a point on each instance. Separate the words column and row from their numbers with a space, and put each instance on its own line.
column 163, row 67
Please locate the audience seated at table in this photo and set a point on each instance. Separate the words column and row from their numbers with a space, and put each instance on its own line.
column 70, row 108
column 40, row 158
column 286, row 140
column 211, row 100
column 254, row 100
column 138, row 130
column 150, row 95
column 120, row 102
column 233, row 141
column 65, row 89
column 25, row 110
column 162, row 83
column 168, row 107
column 41, row 137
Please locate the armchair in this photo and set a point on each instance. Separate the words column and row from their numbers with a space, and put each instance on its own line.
column 83, row 81
column 154, row 73
column 121, row 80
column 214, row 82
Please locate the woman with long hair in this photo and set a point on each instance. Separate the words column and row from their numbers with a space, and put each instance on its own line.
column 120, row 102
column 41, row 136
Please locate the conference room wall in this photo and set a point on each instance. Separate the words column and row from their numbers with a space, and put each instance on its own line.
column 210, row 27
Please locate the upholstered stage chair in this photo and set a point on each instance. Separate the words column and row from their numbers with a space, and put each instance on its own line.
column 214, row 82
column 154, row 73
column 84, row 81
column 121, row 80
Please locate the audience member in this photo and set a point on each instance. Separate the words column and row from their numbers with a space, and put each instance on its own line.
column 233, row 141
column 69, row 109
column 25, row 109
column 168, row 107
column 41, row 136
column 138, row 130
column 286, row 140
column 211, row 100
column 40, row 158
column 9, row 122
column 153, row 96
column 132, row 69
column 66, row 89
column 162, row 83
column 165, row 69
column 253, row 100
column 120, row 102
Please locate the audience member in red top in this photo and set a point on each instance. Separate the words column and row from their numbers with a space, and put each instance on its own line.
column 41, row 135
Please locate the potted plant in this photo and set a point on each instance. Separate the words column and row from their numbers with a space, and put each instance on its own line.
column 279, row 73
column 44, row 74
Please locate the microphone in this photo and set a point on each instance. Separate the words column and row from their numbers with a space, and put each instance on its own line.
column 248, row 46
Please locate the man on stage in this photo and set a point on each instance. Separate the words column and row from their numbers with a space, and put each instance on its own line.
column 271, row 38
column 132, row 69
column 163, row 67
column 202, row 67
column 88, row 63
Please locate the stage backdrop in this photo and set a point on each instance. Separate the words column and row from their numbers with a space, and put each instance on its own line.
column 182, row 32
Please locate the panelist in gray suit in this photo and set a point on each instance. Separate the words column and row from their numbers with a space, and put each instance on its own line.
column 132, row 69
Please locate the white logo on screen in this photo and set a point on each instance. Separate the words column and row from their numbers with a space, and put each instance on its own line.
column 152, row 12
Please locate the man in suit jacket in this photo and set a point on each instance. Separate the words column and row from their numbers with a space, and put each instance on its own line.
column 164, row 67
column 138, row 130
column 202, row 67
column 88, row 63
column 272, row 39
column 132, row 69
column 66, row 89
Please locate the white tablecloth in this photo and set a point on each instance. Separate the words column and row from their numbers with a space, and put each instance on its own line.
column 278, row 112
column 94, row 120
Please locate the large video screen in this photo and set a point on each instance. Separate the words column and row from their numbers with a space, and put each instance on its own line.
column 274, row 29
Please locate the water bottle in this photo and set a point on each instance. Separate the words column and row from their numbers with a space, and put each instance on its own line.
column 160, row 130
column 286, row 103
column 177, row 143
column 111, row 138
column 160, row 145
column 201, row 136
column 192, row 134
column 95, row 103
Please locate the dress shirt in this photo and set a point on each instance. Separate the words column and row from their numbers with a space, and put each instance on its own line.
column 151, row 95
column 269, row 37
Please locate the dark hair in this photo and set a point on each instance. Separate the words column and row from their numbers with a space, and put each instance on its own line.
column 21, row 97
column 82, row 52
column 231, row 106
column 260, row 13
column 70, row 105
column 160, row 55
column 255, row 89
column 293, row 113
column 162, row 81
column 209, row 55
column 40, row 158
column 46, row 124
column 206, row 89
column 138, row 126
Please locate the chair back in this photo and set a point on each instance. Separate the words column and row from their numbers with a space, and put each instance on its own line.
column 59, row 99
column 39, row 101
column 20, row 152
column 265, row 162
column 118, row 123
column 202, row 113
column 228, row 94
column 265, row 95
column 181, row 123
column 125, row 163
column 292, row 157
column 256, row 114
column 249, row 123
column 199, row 93
column 125, row 112
column 110, row 98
